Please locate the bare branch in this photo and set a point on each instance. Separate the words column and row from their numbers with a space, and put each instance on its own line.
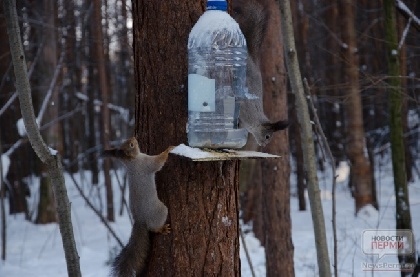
column 407, row 13
column 31, row 70
column 98, row 213
column 405, row 32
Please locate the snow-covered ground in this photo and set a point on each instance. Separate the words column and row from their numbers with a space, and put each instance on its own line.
column 35, row 250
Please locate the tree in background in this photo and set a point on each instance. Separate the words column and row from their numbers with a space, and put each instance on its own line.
column 48, row 40
column 276, row 172
column 403, row 214
column 361, row 174
column 98, row 41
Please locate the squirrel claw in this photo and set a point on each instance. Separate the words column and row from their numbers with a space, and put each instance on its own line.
column 164, row 230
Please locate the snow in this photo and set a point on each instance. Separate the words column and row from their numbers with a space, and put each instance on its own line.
column 213, row 22
column 53, row 151
column 193, row 153
column 197, row 154
column 36, row 250
column 342, row 171
column 21, row 126
column 5, row 164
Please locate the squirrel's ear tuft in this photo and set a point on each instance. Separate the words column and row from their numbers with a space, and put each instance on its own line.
column 276, row 126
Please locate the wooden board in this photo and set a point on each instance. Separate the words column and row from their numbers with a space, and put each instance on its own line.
column 206, row 155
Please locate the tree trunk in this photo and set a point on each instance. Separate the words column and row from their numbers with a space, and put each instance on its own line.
column 103, row 84
column 251, row 192
column 307, row 139
column 93, row 93
column 403, row 215
column 202, row 198
column 48, row 62
column 404, row 110
column 333, row 126
column 276, row 172
column 2, row 206
column 361, row 170
column 72, row 128
column 300, row 168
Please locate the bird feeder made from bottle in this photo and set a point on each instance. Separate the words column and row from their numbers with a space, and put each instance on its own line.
column 217, row 60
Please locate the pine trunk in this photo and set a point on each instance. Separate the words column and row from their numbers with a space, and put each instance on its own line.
column 276, row 172
column 104, row 85
column 361, row 170
column 202, row 198
column 48, row 63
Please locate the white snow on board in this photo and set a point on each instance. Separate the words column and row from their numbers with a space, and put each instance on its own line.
column 197, row 154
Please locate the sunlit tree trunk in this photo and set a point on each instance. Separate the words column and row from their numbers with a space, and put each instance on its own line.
column 361, row 170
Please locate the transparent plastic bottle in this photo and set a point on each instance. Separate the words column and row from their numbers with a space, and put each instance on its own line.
column 217, row 58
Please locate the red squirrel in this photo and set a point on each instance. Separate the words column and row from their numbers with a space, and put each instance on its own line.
column 149, row 213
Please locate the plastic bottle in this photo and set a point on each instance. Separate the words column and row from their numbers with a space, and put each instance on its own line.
column 217, row 57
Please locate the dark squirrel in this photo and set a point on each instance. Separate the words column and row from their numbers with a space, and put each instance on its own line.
column 252, row 18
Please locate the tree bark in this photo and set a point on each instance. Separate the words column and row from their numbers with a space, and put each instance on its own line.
column 52, row 161
column 93, row 94
column 361, row 169
column 276, row 172
column 403, row 215
column 202, row 198
column 48, row 63
column 307, row 139
column 404, row 116
column 3, row 233
column 103, row 84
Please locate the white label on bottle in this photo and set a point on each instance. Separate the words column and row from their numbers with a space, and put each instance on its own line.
column 201, row 93
column 229, row 106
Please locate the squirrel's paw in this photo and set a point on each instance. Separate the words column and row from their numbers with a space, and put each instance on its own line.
column 170, row 148
column 164, row 230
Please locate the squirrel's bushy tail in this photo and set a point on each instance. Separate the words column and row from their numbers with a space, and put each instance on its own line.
column 132, row 257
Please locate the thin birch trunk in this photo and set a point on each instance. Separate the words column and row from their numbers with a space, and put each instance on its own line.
column 307, row 139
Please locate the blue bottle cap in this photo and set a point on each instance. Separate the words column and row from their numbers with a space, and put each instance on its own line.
column 220, row 5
